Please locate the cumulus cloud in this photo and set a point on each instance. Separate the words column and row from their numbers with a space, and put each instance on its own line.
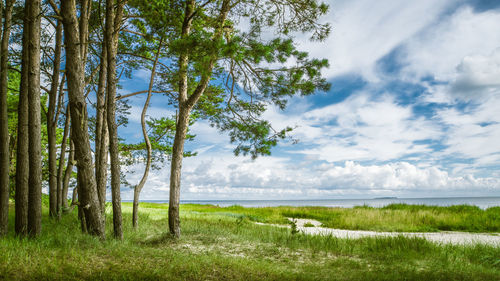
column 280, row 178
column 478, row 76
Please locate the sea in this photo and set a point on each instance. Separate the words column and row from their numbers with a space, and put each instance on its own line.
column 481, row 202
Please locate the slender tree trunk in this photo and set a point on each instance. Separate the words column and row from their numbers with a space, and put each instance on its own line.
column 84, row 27
column 185, row 105
column 138, row 188
column 175, row 171
column 75, row 79
column 74, row 200
column 103, row 160
column 101, row 150
column 52, row 124
column 22, row 155
column 60, row 170
column 181, row 130
column 67, row 175
column 1, row 17
column 111, row 38
column 81, row 213
column 34, row 130
column 4, row 122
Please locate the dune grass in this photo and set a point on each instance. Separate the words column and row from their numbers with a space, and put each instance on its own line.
column 394, row 217
column 218, row 246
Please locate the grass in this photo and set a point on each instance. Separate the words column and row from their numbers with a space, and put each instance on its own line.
column 225, row 244
column 394, row 217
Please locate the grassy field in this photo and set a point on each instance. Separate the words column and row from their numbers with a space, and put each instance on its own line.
column 394, row 217
column 225, row 244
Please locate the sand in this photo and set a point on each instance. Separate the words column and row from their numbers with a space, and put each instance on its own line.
column 445, row 237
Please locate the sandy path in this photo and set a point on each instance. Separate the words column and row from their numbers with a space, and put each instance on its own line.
column 438, row 237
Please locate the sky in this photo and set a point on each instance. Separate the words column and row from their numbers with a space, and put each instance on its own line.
column 413, row 111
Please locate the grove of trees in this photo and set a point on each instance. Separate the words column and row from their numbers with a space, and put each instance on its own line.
column 62, row 62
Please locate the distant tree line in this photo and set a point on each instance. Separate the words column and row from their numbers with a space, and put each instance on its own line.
column 223, row 61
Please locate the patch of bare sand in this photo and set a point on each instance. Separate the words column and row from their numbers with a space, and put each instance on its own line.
column 445, row 237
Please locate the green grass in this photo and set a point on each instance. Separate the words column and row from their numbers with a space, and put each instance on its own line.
column 394, row 217
column 225, row 244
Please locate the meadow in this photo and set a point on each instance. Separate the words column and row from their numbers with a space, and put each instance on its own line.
column 225, row 244
column 393, row 217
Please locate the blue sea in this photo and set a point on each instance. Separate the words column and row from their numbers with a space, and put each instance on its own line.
column 481, row 202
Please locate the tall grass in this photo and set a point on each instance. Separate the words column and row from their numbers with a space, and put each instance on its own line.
column 394, row 217
column 226, row 245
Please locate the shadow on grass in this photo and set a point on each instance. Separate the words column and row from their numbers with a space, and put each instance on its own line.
column 157, row 240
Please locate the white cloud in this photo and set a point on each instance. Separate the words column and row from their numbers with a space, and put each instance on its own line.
column 364, row 31
column 478, row 76
column 473, row 133
column 279, row 178
column 437, row 51
column 366, row 129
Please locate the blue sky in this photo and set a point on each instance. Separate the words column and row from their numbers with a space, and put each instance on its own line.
column 414, row 111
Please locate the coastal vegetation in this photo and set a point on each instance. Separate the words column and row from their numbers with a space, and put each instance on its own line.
column 226, row 244
column 393, row 217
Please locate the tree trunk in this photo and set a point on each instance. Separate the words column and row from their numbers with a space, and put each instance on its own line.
column 175, row 171
column 75, row 79
column 101, row 150
column 138, row 188
column 60, row 170
column 52, row 125
column 181, row 130
column 74, row 200
column 111, row 38
column 34, row 129
column 22, row 158
column 4, row 122
column 67, row 175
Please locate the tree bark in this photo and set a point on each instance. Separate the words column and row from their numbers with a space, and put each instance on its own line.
column 111, row 37
column 75, row 79
column 175, row 171
column 101, row 150
column 67, row 174
column 4, row 122
column 60, row 170
column 52, row 125
column 22, row 155
column 138, row 188
column 34, row 129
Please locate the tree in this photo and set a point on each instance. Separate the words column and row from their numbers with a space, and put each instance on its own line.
column 4, row 123
column 207, row 49
column 101, row 130
column 75, row 54
column 138, row 187
column 34, row 120
column 113, row 23
column 22, row 154
column 52, row 118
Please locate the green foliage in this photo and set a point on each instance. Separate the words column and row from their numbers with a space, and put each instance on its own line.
column 293, row 228
column 249, row 73
column 161, row 133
